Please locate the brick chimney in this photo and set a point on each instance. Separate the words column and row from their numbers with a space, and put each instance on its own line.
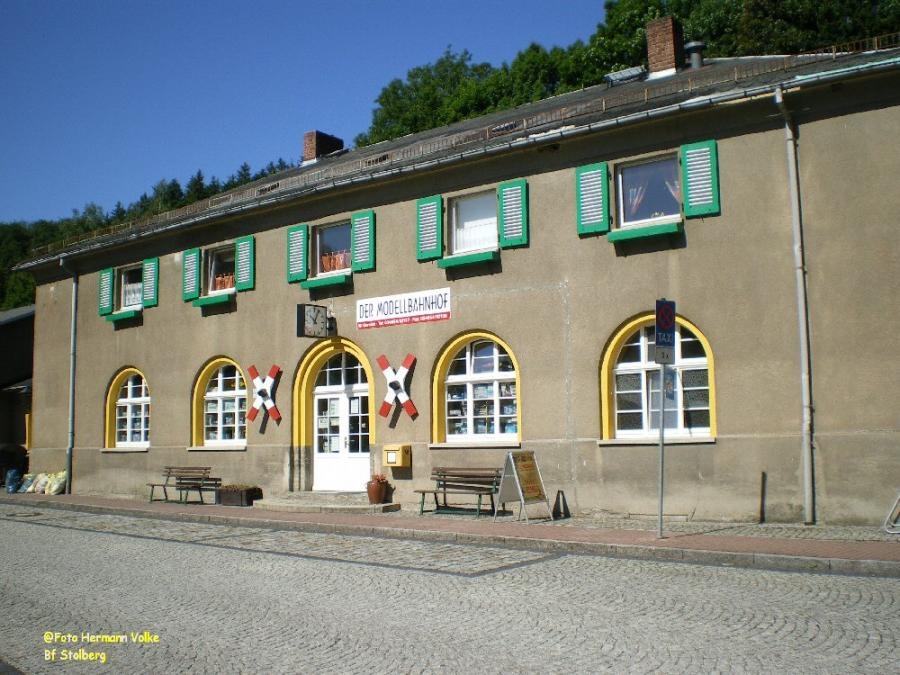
column 317, row 144
column 665, row 46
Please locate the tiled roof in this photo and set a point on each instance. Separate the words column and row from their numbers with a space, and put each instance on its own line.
column 539, row 122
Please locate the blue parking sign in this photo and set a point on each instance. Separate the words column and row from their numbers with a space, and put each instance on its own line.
column 665, row 331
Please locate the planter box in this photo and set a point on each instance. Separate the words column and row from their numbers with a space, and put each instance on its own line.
column 238, row 497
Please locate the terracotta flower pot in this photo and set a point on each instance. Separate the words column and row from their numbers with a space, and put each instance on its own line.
column 376, row 491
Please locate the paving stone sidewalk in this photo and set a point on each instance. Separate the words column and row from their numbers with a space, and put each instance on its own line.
column 819, row 548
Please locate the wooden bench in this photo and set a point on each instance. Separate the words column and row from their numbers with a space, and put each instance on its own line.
column 184, row 479
column 478, row 481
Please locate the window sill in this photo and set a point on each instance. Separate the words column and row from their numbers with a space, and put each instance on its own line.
column 338, row 279
column 123, row 315
column 220, row 298
column 113, row 451
column 217, row 448
column 476, row 445
column 648, row 441
column 469, row 259
column 627, row 233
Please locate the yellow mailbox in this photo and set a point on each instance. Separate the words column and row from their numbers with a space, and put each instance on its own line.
column 396, row 455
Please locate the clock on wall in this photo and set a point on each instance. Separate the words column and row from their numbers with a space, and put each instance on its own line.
column 312, row 321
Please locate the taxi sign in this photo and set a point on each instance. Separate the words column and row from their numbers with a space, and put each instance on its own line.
column 665, row 331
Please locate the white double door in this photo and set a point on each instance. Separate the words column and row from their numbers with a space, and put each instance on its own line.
column 341, row 439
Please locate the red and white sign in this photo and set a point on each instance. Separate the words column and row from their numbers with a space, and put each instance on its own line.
column 396, row 386
column 263, row 394
column 403, row 309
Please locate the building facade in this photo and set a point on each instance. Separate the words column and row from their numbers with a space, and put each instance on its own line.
column 490, row 286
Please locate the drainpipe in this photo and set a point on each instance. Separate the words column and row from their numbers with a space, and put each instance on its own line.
column 806, row 450
column 70, row 446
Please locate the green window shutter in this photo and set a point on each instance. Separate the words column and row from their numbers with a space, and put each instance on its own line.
column 105, row 303
column 592, row 199
column 362, row 238
column 190, row 274
column 150, row 285
column 513, row 208
column 700, row 179
column 297, row 253
column 429, row 228
column 244, row 264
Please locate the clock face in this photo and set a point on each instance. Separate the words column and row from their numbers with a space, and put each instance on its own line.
column 315, row 321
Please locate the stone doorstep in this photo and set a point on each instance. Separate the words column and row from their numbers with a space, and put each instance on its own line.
column 323, row 502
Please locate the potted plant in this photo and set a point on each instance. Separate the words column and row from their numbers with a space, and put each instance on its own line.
column 376, row 488
column 238, row 495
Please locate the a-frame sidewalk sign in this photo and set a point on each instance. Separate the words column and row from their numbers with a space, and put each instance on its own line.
column 521, row 481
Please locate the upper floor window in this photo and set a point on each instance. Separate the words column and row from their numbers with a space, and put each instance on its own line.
column 473, row 223
column 649, row 192
column 220, row 405
column 331, row 245
column 478, row 392
column 128, row 411
column 327, row 255
column 211, row 276
column 651, row 195
column 477, row 225
column 124, row 292
column 632, row 391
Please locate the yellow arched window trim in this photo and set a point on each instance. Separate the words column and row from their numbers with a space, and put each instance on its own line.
column 305, row 385
column 439, row 381
column 112, row 395
column 199, row 394
column 611, row 355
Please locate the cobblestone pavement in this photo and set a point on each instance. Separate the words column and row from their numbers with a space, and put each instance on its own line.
column 228, row 599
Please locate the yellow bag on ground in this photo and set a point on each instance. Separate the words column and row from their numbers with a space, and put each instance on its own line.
column 57, row 483
column 40, row 484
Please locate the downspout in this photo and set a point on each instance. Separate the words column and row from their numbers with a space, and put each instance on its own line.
column 70, row 445
column 806, row 447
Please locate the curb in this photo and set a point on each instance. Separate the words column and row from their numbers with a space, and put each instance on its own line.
column 744, row 560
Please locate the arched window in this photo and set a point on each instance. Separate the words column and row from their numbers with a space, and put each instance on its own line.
column 630, row 379
column 220, row 405
column 476, row 392
column 128, row 411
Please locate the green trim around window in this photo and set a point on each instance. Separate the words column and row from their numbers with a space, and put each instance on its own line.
column 469, row 259
column 512, row 211
column 297, row 250
column 190, row 274
column 244, row 264
column 105, row 285
column 592, row 199
column 219, row 299
column 643, row 232
column 700, row 179
column 122, row 316
column 429, row 228
column 150, row 282
column 329, row 280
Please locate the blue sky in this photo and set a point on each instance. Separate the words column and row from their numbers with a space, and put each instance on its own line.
column 101, row 99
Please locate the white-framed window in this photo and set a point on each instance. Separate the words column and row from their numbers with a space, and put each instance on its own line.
column 132, row 412
column 478, row 225
column 225, row 407
column 129, row 286
column 473, row 223
column 636, row 401
column 331, row 248
column 648, row 192
column 650, row 196
column 125, row 291
column 219, row 268
column 213, row 275
column 480, row 391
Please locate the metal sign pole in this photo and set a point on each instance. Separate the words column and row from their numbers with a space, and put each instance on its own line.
column 662, row 441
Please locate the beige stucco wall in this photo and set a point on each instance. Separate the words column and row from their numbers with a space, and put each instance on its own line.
column 556, row 303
